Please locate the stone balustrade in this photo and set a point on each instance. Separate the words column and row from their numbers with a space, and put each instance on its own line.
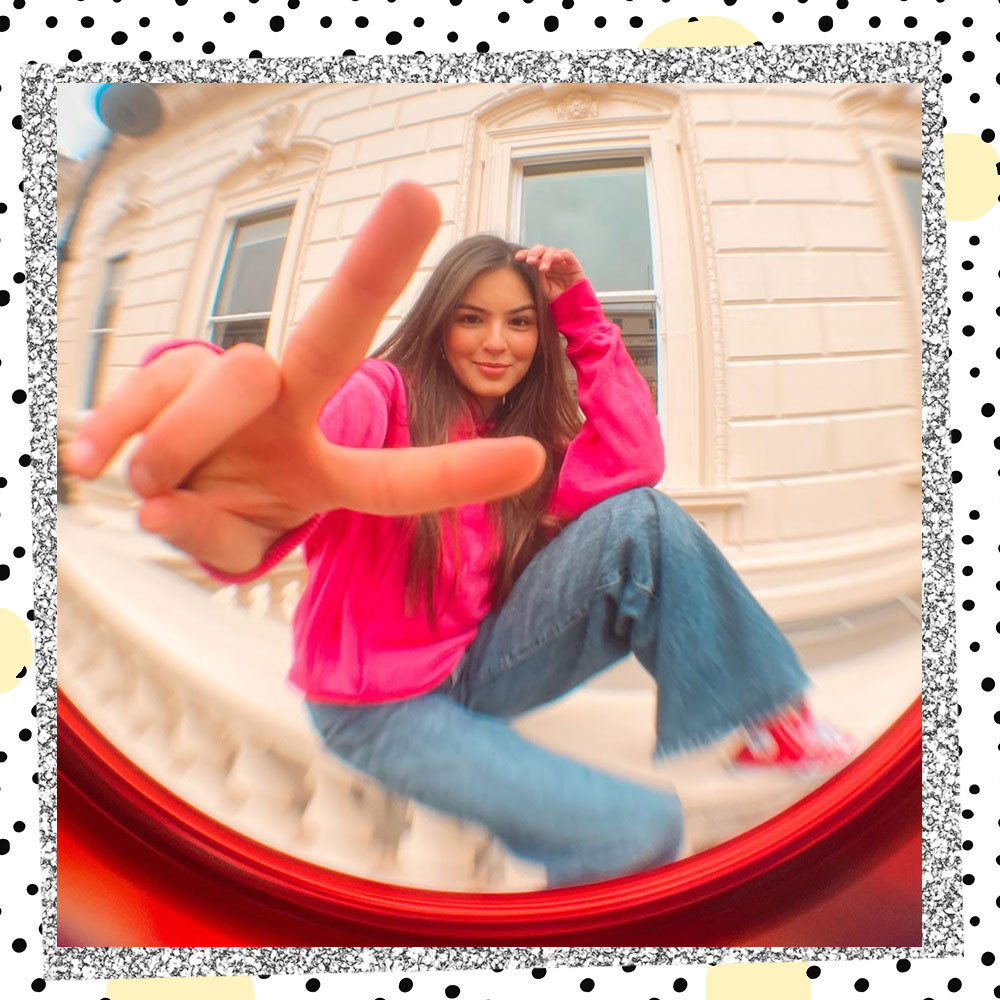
column 193, row 692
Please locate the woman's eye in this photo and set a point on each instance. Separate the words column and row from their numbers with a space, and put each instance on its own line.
column 469, row 318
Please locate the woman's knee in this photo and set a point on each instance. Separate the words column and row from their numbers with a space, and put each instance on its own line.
column 665, row 831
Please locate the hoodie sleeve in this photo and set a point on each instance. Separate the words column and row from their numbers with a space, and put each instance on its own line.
column 620, row 446
column 356, row 416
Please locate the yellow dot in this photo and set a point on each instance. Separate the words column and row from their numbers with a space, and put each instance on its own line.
column 180, row 988
column 698, row 31
column 758, row 981
column 15, row 649
column 971, row 182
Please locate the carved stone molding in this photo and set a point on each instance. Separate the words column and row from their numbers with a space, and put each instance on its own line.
column 576, row 106
column 897, row 104
column 134, row 202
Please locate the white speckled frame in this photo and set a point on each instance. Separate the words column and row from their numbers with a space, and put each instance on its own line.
column 868, row 62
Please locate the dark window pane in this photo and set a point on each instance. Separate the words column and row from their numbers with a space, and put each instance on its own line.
column 239, row 331
column 638, row 325
column 599, row 210
column 908, row 178
column 251, row 271
column 107, row 315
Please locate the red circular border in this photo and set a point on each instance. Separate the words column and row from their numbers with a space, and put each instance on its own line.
column 839, row 828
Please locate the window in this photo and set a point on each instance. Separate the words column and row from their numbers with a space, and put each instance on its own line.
column 907, row 174
column 242, row 309
column 599, row 208
column 104, row 327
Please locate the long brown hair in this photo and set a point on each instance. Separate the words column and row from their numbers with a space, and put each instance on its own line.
column 541, row 406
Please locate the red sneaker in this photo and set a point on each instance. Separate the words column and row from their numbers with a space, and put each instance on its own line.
column 795, row 739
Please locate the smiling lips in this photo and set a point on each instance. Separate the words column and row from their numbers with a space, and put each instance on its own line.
column 490, row 370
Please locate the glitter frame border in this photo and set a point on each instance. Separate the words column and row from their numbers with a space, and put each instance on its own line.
column 841, row 63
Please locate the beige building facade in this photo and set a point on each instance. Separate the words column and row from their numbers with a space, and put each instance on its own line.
column 758, row 244
column 759, row 247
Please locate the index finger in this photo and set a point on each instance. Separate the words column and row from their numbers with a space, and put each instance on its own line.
column 333, row 336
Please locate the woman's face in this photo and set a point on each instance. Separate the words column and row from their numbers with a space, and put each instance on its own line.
column 493, row 336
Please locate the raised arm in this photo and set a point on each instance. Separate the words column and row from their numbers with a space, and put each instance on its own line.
column 620, row 446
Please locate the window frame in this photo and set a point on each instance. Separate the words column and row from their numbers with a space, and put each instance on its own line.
column 285, row 209
column 653, row 295
column 100, row 337
column 247, row 191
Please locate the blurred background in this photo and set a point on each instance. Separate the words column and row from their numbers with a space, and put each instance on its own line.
column 759, row 245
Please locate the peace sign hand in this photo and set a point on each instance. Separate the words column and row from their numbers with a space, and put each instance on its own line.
column 232, row 457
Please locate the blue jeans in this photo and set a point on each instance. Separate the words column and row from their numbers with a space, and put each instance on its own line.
column 634, row 573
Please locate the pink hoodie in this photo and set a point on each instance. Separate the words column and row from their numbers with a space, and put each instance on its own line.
column 353, row 641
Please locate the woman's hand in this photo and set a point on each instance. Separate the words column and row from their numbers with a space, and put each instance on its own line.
column 231, row 456
column 559, row 269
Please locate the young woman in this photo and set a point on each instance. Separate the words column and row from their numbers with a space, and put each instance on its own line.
column 419, row 634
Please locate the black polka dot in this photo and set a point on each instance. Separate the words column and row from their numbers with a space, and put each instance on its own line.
column 777, row 17
column 874, row 22
column 277, row 22
column 208, row 47
column 988, row 958
column 988, row 409
column 312, row 985
column 628, row 968
column 861, row 985
column 635, row 22
column 825, row 23
column 451, row 992
column 599, row 22
column 51, row 22
column 4, row 845
column 813, row 972
column 483, row 47
column 38, row 985
column 418, row 22
column 680, row 985
column 31, row 889
column 405, row 984
column 954, row 985
column 968, row 56
column 143, row 22
column 537, row 973
column 325, row 21
column 551, row 23
column 586, row 985
column 87, row 22
column 24, row 735
column 119, row 38
column 910, row 22
column 361, row 22
column 503, row 17
column 18, row 826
